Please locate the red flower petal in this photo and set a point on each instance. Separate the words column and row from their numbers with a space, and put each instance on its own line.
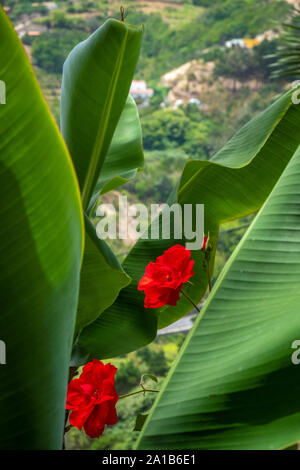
column 94, row 425
column 163, row 279
column 204, row 244
column 76, row 396
column 78, row 417
column 93, row 397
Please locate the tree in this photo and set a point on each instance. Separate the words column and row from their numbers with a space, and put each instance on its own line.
column 239, row 64
column 50, row 49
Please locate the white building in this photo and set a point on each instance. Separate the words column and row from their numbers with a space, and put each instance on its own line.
column 235, row 42
column 50, row 5
column 139, row 90
column 248, row 43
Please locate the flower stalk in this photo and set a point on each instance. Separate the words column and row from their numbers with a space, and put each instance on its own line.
column 190, row 300
column 206, row 248
column 208, row 272
column 144, row 390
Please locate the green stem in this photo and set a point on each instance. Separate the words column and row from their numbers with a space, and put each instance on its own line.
column 208, row 275
column 138, row 391
column 190, row 300
column 72, row 372
column 122, row 11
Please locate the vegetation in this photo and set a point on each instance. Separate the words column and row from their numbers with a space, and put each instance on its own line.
column 165, row 48
column 198, row 133
column 50, row 50
column 243, row 336
column 154, row 359
column 286, row 57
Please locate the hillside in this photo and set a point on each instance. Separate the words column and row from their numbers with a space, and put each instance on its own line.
column 183, row 58
column 195, row 80
column 175, row 13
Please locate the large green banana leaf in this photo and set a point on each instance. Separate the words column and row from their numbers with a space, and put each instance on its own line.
column 40, row 257
column 234, row 385
column 233, row 184
column 101, row 126
column 237, row 180
column 125, row 155
column 101, row 278
column 96, row 80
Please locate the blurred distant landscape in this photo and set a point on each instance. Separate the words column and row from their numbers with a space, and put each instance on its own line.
column 205, row 70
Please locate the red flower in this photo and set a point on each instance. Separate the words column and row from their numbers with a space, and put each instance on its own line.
column 163, row 279
column 204, row 244
column 92, row 398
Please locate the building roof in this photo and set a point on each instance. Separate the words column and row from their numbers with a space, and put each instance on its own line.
column 251, row 42
column 147, row 91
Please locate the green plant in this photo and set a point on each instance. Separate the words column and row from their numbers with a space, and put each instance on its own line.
column 63, row 297
column 50, row 49
column 41, row 250
column 243, row 393
column 42, row 241
column 286, row 57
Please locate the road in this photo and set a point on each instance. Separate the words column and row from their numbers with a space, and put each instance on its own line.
column 180, row 326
